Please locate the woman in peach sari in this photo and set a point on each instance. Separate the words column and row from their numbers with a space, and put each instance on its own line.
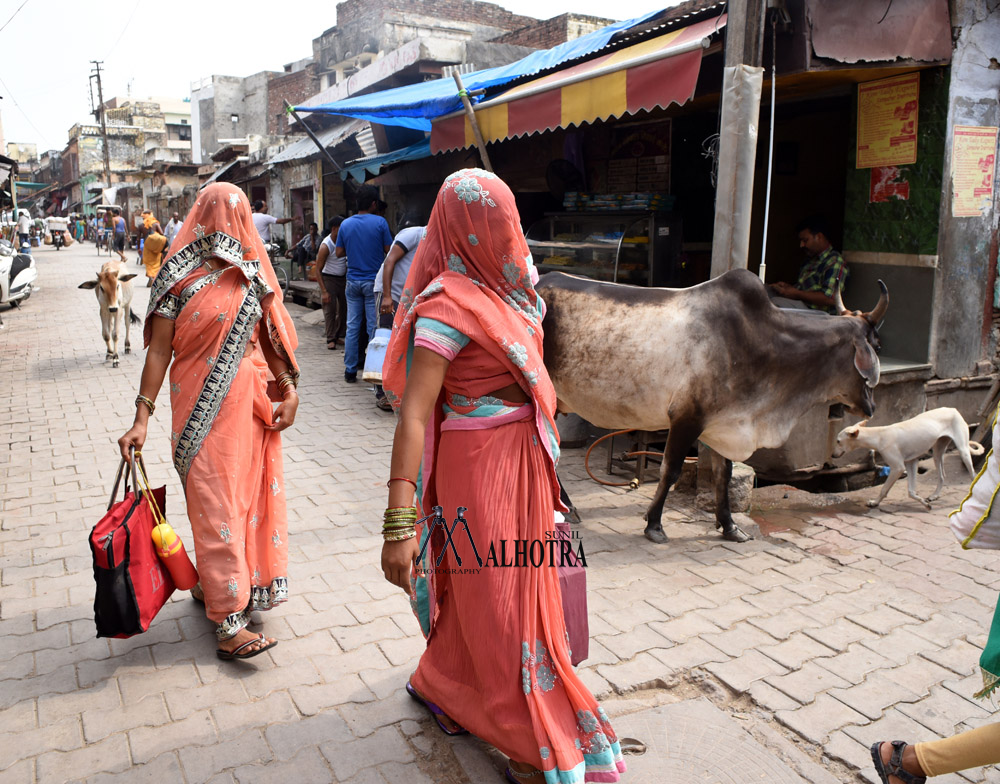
column 476, row 430
column 216, row 309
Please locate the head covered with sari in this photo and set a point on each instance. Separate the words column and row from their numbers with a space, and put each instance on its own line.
column 219, row 226
column 474, row 272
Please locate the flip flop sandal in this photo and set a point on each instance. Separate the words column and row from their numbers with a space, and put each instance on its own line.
column 519, row 778
column 895, row 766
column 436, row 712
column 235, row 654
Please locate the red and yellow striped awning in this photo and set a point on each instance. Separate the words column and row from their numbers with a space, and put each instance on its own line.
column 657, row 72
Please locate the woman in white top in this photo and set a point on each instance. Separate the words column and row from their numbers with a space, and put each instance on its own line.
column 332, row 284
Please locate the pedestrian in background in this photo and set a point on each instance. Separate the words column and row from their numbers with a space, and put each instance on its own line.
column 305, row 249
column 364, row 240
column 332, row 280
column 216, row 319
column 477, row 410
column 173, row 226
column 391, row 278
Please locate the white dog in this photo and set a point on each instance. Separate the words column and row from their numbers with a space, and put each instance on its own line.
column 902, row 444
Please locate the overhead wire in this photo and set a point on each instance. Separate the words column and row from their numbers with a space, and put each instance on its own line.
column 13, row 15
column 124, row 29
column 24, row 113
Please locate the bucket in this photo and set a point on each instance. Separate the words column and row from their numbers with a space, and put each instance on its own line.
column 375, row 356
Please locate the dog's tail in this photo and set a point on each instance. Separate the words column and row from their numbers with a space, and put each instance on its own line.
column 136, row 320
column 976, row 448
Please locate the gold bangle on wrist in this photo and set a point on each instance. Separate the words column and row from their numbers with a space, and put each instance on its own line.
column 146, row 402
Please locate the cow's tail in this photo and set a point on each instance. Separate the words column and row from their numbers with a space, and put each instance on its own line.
column 134, row 318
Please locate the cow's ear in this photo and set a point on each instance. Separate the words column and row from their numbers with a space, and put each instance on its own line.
column 129, row 276
column 866, row 361
column 88, row 284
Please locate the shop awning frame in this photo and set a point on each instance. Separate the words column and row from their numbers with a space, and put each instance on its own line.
column 656, row 72
column 414, row 106
column 373, row 164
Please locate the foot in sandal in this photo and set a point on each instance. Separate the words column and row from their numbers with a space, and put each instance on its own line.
column 896, row 763
column 244, row 645
column 518, row 772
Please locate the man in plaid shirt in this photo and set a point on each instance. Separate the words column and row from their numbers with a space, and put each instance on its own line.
column 820, row 276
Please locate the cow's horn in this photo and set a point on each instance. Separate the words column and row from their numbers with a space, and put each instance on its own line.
column 876, row 315
column 838, row 301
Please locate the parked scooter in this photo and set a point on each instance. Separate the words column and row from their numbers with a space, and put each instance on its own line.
column 17, row 275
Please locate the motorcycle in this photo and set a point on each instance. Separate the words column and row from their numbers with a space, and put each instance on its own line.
column 17, row 275
column 57, row 239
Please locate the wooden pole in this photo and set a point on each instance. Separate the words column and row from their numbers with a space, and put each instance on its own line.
column 740, row 111
column 337, row 167
column 471, row 115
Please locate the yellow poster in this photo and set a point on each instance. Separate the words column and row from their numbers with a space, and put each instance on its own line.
column 887, row 121
column 973, row 166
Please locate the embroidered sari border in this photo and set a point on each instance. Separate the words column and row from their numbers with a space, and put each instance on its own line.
column 217, row 384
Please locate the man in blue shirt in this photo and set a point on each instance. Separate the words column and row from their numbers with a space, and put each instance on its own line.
column 364, row 239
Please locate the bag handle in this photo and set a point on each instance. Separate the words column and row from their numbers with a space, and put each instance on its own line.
column 142, row 483
column 123, row 467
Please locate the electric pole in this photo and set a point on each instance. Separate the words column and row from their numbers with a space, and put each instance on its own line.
column 99, row 114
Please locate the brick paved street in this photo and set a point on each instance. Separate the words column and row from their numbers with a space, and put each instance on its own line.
column 840, row 627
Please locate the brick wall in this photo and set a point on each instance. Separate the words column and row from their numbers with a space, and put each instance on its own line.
column 554, row 31
column 456, row 10
column 294, row 87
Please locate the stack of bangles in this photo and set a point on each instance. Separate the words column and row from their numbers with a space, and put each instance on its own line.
column 285, row 382
column 399, row 522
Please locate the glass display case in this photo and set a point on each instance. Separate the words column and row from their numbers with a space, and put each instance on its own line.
column 641, row 248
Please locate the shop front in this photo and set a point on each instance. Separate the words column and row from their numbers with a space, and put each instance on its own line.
column 613, row 161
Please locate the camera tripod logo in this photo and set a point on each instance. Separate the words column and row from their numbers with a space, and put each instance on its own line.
column 437, row 519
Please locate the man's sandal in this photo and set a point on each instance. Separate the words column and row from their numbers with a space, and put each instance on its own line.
column 895, row 766
column 235, row 654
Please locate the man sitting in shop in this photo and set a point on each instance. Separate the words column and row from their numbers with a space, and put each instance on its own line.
column 820, row 277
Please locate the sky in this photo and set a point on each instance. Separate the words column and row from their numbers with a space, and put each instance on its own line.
column 153, row 48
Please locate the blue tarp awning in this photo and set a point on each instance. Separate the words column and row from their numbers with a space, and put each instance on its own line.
column 415, row 105
column 374, row 163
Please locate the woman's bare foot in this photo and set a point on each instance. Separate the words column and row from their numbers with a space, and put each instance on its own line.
column 909, row 763
column 242, row 637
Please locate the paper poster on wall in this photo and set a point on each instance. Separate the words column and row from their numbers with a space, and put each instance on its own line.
column 973, row 167
column 888, row 183
column 887, row 121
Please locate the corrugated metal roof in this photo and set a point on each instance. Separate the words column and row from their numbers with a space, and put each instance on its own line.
column 329, row 137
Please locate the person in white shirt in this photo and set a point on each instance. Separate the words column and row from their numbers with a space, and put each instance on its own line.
column 23, row 227
column 392, row 275
column 332, row 281
column 173, row 226
column 263, row 222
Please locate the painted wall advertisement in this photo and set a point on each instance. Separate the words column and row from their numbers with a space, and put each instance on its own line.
column 887, row 121
column 973, row 164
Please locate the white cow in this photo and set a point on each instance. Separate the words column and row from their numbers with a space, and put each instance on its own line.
column 114, row 291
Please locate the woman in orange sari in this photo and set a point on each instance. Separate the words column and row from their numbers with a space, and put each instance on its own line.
column 216, row 309
column 476, row 430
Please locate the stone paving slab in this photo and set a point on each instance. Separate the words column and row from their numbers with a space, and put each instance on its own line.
column 693, row 742
column 837, row 627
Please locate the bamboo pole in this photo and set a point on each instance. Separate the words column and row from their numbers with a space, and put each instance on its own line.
column 471, row 114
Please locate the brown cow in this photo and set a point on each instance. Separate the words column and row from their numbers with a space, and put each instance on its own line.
column 114, row 291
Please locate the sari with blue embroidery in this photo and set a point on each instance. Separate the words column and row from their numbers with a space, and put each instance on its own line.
column 497, row 659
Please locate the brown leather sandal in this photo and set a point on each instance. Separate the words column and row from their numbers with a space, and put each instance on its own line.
column 895, row 766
